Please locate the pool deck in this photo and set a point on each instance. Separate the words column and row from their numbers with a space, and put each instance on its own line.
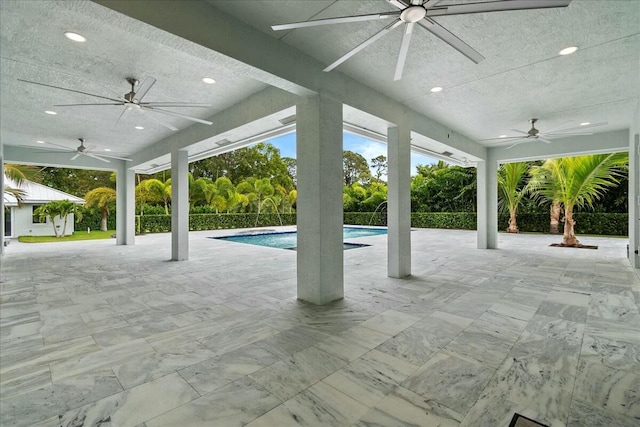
column 95, row 333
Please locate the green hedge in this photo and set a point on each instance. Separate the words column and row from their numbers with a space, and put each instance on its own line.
column 162, row 223
column 611, row 224
column 450, row 220
column 91, row 219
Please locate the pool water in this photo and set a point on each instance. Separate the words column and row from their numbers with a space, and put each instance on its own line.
column 289, row 239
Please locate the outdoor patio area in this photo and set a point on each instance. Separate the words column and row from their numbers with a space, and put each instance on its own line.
column 98, row 334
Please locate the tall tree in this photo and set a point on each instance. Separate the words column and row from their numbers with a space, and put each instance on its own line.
column 379, row 164
column 76, row 181
column 511, row 189
column 356, row 168
column 577, row 182
column 103, row 198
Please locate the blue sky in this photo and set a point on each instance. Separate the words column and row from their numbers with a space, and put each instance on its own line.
column 367, row 148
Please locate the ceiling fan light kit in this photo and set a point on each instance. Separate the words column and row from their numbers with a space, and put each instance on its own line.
column 421, row 12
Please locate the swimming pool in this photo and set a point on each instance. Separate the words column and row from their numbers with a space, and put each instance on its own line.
column 289, row 239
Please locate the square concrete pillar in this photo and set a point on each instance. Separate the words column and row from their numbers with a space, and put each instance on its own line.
column 125, row 206
column 179, row 205
column 1, row 206
column 319, row 205
column 634, row 198
column 487, row 173
column 399, row 201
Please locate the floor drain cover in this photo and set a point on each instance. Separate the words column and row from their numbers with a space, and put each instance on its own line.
column 521, row 421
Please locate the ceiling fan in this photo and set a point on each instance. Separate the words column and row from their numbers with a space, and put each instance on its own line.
column 422, row 12
column 133, row 101
column 535, row 134
column 81, row 150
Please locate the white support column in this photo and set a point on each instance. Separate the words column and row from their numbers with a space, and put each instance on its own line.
column 2, row 213
column 319, row 204
column 634, row 199
column 179, row 205
column 487, row 178
column 125, row 206
column 399, row 201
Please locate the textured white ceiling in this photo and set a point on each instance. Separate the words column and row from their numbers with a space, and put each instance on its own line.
column 33, row 47
column 522, row 76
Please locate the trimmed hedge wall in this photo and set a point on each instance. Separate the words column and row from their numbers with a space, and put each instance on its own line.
column 162, row 223
column 92, row 220
column 611, row 224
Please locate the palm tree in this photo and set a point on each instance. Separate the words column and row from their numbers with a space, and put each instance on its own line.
column 104, row 198
column 19, row 174
column 511, row 190
column 160, row 190
column 577, row 182
column 59, row 208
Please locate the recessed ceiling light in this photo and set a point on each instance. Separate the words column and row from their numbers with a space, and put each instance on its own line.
column 502, row 136
column 40, row 142
column 436, row 89
column 107, row 149
column 139, row 127
column 585, row 123
column 75, row 37
column 208, row 80
column 568, row 50
column 53, row 113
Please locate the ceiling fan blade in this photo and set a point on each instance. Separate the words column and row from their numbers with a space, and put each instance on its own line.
column 175, row 104
column 60, row 146
column 517, row 143
column 495, row 6
column 82, row 105
column 559, row 135
column 400, row 4
column 452, row 40
column 143, row 88
column 519, row 131
column 404, row 49
column 163, row 123
column 50, row 151
column 506, row 138
column 364, row 44
column 96, row 157
column 558, row 128
column 172, row 113
column 431, row 3
column 70, row 90
column 87, row 149
column 124, row 110
column 340, row 20
column 590, row 125
column 76, row 156
column 115, row 157
column 544, row 140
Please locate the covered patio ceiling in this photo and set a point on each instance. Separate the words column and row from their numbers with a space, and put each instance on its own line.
column 522, row 76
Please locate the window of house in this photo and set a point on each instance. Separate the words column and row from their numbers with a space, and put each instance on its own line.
column 35, row 218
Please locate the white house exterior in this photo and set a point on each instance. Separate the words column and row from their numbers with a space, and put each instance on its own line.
column 20, row 220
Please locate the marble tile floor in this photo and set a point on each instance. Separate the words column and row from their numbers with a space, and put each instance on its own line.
column 97, row 334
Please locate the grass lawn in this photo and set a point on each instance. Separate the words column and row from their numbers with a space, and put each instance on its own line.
column 78, row 235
